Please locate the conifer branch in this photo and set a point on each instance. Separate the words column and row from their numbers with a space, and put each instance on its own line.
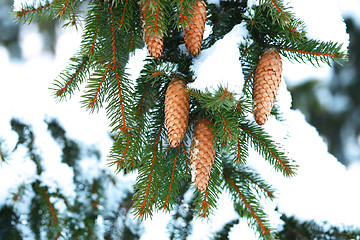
column 64, row 7
column 171, row 182
column 16, row 196
column 28, row 12
column 241, row 151
column 79, row 69
column 265, row 230
column 286, row 19
column 258, row 183
column 51, row 206
column 96, row 30
column 113, row 30
column 205, row 205
column 115, row 69
column 226, row 126
column 95, row 97
column 313, row 51
column 143, row 197
column 264, row 145
column 123, row 14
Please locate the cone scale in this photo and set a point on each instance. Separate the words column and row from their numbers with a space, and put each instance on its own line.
column 194, row 31
column 202, row 153
column 177, row 107
column 266, row 84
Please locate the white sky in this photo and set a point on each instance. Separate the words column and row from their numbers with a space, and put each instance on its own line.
column 323, row 189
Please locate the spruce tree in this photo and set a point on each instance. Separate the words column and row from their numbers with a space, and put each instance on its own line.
column 114, row 29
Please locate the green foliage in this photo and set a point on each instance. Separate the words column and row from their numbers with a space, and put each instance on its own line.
column 224, row 232
column 307, row 230
column 179, row 226
column 113, row 31
column 8, row 223
column 53, row 214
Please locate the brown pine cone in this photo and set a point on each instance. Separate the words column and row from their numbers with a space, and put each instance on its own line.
column 266, row 84
column 177, row 107
column 202, row 153
column 194, row 31
column 154, row 41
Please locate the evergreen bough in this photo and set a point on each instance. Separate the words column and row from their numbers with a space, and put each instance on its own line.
column 113, row 31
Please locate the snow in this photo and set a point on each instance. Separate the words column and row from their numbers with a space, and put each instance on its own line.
column 323, row 189
column 351, row 9
column 210, row 68
column 216, row 2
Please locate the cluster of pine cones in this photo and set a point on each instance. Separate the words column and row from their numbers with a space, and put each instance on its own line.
column 193, row 31
column 202, row 153
column 177, row 103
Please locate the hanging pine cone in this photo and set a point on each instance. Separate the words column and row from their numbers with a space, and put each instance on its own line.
column 194, row 31
column 266, row 84
column 154, row 41
column 177, row 108
column 202, row 153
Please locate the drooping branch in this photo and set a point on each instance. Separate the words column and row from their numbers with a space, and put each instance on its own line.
column 94, row 99
column 115, row 66
column 248, row 206
column 142, row 209
column 171, row 182
column 266, row 189
column 264, row 145
column 73, row 77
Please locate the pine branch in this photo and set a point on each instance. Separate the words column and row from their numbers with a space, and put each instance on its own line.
column 245, row 174
column 19, row 194
column 247, row 205
column 271, row 152
column 239, row 151
column 280, row 14
column 91, row 30
column 67, row 10
column 171, row 183
column 150, row 83
column 51, row 206
column 70, row 80
column 154, row 15
column 249, row 58
column 172, row 177
column 149, row 174
column 97, row 88
column 313, row 51
column 31, row 12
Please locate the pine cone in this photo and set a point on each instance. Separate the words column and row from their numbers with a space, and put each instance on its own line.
column 266, row 84
column 177, row 108
column 202, row 153
column 193, row 33
column 154, row 42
